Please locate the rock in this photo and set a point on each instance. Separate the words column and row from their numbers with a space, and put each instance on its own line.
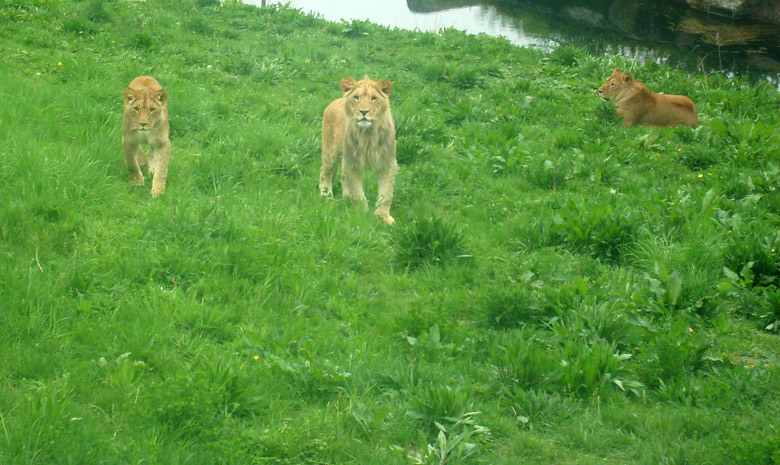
column 430, row 6
column 584, row 15
column 759, row 10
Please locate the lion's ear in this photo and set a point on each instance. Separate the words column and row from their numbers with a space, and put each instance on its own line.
column 162, row 96
column 627, row 77
column 129, row 95
column 385, row 86
column 347, row 84
column 615, row 71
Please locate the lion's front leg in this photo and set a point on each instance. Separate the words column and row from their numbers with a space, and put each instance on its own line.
column 629, row 118
column 158, row 165
column 352, row 182
column 386, row 181
column 330, row 164
column 133, row 154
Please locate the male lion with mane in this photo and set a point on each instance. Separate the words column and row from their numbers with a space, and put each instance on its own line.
column 358, row 132
column 145, row 121
column 638, row 105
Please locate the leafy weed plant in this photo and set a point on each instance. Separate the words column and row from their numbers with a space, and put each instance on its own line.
column 599, row 231
column 428, row 241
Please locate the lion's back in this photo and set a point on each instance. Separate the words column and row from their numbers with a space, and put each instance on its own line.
column 671, row 110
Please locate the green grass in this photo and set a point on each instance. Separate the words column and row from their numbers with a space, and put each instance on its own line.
column 597, row 294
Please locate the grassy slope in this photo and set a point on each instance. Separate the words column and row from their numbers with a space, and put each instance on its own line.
column 241, row 319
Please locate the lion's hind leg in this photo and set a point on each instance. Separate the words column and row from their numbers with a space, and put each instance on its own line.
column 352, row 183
column 158, row 166
column 385, row 182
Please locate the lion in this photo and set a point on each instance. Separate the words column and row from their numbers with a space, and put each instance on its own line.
column 358, row 133
column 638, row 105
column 145, row 121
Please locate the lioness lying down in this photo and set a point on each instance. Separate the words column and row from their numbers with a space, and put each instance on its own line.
column 358, row 132
column 638, row 105
column 145, row 121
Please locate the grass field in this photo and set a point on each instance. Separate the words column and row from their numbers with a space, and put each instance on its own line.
column 557, row 289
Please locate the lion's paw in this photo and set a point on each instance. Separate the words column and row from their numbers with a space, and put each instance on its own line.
column 136, row 181
column 157, row 191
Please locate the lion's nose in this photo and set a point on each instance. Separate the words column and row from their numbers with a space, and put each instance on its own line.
column 364, row 112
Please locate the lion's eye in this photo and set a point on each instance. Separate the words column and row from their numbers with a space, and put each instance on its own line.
column 151, row 110
column 373, row 99
column 357, row 98
column 137, row 108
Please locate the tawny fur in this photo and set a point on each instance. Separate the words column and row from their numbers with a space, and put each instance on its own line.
column 145, row 122
column 638, row 105
column 358, row 133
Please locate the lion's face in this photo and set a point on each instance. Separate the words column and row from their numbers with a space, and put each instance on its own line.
column 615, row 84
column 145, row 109
column 366, row 100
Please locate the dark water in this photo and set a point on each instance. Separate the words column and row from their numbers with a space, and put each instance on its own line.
column 643, row 30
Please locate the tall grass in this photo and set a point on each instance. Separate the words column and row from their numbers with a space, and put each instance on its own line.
column 557, row 289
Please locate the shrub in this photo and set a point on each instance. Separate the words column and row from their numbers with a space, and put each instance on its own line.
column 143, row 40
column 547, row 173
column 566, row 55
column 588, row 368
column 96, row 12
column 439, row 404
column 599, row 231
column 671, row 354
column 591, row 322
column 535, row 409
column 509, row 307
column 526, row 362
column 427, row 241
column 770, row 316
column 757, row 250
column 458, row 443
column 313, row 377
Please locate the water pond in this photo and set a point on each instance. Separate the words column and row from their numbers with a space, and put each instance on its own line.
column 644, row 30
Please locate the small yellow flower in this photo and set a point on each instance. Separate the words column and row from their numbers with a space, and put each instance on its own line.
column 658, row 154
column 700, row 176
column 256, row 357
column 59, row 63
column 679, row 149
column 38, row 73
